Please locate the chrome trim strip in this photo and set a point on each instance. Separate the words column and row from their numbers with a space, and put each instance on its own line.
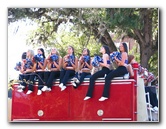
column 122, row 83
column 104, row 119
column 25, row 119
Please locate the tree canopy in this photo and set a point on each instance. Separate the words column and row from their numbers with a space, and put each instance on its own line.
column 92, row 26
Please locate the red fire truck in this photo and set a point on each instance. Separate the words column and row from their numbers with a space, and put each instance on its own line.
column 69, row 106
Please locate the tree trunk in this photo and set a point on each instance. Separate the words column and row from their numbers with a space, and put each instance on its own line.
column 145, row 54
column 109, row 41
column 145, row 38
column 105, row 39
column 145, row 49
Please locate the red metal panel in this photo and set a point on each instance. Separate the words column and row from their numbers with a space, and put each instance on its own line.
column 54, row 104
column 68, row 105
column 119, row 105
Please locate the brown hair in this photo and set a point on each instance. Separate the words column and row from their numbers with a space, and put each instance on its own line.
column 130, row 58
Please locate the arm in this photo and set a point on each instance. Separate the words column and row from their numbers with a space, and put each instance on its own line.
column 104, row 64
column 49, row 65
column 45, row 63
column 42, row 66
column 121, row 62
column 31, row 70
column 80, row 63
column 34, row 67
column 59, row 63
column 64, row 63
column 76, row 64
column 89, row 65
column 22, row 67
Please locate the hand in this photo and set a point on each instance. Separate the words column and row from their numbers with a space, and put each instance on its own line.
column 71, row 62
column 23, row 63
column 80, row 58
column 18, row 67
column 99, row 63
column 87, row 63
column 48, row 61
column 66, row 57
column 82, row 64
column 81, row 61
column 48, row 58
column 65, row 63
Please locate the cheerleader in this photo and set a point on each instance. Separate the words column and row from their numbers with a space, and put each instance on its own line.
column 70, row 63
column 85, row 67
column 121, row 70
column 18, row 68
column 54, row 65
column 27, row 69
column 105, row 64
column 39, row 71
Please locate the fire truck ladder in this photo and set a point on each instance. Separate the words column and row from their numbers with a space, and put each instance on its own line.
column 148, row 107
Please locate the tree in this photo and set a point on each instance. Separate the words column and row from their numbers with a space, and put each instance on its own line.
column 86, row 20
column 139, row 23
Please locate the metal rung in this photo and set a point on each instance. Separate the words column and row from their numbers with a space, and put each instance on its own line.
column 150, row 112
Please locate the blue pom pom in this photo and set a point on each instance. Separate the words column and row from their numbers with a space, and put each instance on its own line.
column 86, row 58
column 96, row 60
column 28, row 64
column 18, row 65
column 69, row 60
column 39, row 58
column 54, row 57
column 115, row 54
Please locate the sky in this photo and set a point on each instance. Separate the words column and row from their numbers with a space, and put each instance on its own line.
column 17, row 35
column 7, row 53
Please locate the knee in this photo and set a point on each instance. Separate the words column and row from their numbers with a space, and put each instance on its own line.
column 92, row 78
column 108, row 78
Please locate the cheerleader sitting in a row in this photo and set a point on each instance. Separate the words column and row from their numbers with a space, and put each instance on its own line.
column 65, row 69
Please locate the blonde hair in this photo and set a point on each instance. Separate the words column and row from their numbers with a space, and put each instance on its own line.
column 31, row 53
column 57, row 52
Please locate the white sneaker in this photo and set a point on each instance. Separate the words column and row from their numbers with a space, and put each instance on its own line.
column 126, row 76
column 29, row 92
column 61, row 85
column 73, row 83
column 74, row 79
column 20, row 90
column 87, row 97
column 48, row 89
column 103, row 98
column 63, row 88
column 77, row 81
column 156, row 108
column 39, row 92
column 151, row 109
column 44, row 88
